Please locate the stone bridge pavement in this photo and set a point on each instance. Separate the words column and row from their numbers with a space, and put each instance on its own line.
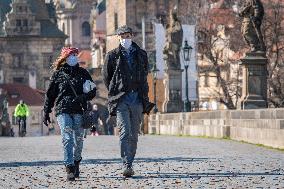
column 162, row 162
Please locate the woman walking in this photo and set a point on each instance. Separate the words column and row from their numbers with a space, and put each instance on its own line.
column 68, row 106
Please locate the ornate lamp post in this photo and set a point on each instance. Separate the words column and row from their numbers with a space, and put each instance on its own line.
column 186, row 57
column 154, row 72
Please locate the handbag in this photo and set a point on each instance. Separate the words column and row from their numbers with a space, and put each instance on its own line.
column 87, row 119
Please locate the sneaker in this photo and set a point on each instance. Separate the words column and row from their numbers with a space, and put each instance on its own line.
column 128, row 172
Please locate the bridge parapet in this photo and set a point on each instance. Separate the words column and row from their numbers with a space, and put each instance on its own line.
column 258, row 126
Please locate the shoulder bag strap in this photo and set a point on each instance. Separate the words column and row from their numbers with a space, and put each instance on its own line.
column 70, row 84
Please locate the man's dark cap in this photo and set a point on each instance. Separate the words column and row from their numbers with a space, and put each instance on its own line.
column 123, row 29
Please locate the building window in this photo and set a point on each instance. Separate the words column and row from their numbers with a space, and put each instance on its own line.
column 115, row 21
column 25, row 23
column 47, row 60
column 63, row 28
column 86, row 29
column 18, row 80
column 17, row 60
column 20, row 8
column 18, row 23
column 206, row 79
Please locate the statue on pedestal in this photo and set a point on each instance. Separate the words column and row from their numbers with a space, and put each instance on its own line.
column 254, row 65
column 174, row 36
column 173, row 72
column 252, row 13
column 4, row 115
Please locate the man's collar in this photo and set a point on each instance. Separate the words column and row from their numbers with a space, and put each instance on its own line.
column 131, row 49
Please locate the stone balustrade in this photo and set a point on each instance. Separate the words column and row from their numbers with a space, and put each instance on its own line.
column 257, row 126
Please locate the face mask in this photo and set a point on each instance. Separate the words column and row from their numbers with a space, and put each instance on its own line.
column 72, row 60
column 126, row 43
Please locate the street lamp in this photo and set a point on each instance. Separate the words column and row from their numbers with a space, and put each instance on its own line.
column 154, row 72
column 186, row 57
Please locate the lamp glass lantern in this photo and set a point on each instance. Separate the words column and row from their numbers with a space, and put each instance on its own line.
column 187, row 50
column 154, row 72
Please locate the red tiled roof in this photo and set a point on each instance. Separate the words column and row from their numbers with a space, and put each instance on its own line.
column 17, row 92
column 85, row 56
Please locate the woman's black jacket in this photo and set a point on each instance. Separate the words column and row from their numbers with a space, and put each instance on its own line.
column 60, row 93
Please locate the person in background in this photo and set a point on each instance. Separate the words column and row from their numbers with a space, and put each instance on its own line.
column 21, row 113
column 96, row 120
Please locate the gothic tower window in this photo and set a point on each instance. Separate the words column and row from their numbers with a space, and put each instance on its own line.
column 17, row 60
column 18, row 23
column 115, row 21
column 25, row 22
column 86, row 29
column 63, row 28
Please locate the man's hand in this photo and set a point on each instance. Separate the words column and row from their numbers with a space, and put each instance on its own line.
column 46, row 119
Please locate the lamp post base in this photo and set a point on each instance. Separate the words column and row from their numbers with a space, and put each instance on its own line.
column 187, row 106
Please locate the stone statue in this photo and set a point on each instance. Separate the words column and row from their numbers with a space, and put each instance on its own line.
column 97, row 53
column 174, row 36
column 252, row 13
column 4, row 115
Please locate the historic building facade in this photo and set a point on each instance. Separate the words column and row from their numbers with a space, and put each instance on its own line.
column 136, row 13
column 29, row 40
column 73, row 18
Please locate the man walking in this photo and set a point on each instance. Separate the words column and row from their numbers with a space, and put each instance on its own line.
column 125, row 76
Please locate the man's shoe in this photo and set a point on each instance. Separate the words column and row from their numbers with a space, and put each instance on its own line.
column 77, row 170
column 128, row 172
column 70, row 169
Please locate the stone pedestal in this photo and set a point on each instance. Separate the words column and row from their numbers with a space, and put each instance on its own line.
column 173, row 86
column 254, row 91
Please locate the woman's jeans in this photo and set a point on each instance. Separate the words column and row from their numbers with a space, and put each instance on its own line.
column 72, row 136
column 128, row 121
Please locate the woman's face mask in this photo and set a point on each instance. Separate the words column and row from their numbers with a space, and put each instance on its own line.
column 126, row 43
column 72, row 60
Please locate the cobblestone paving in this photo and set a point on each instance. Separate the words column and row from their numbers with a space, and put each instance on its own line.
column 162, row 162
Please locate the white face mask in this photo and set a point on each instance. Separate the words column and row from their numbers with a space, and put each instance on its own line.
column 72, row 60
column 126, row 43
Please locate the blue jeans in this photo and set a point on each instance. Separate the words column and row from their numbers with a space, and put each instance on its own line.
column 72, row 136
column 128, row 121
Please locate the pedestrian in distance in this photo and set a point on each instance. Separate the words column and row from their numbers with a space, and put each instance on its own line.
column 21, row 113
column 125, row 76
column 66, row 78
column 96, row 120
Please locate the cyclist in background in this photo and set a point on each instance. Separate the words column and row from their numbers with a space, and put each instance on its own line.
column 21, row 113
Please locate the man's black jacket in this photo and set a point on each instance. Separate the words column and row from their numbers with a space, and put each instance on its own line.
column 60, row 92
column 120, row 80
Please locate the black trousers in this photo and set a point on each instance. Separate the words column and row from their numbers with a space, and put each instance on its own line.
column 24, row 119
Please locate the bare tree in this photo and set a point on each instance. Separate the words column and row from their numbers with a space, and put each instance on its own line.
column 274, row 38
column 218, row 49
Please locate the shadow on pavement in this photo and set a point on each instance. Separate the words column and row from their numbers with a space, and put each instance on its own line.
column 101, row 161
column 195, row 176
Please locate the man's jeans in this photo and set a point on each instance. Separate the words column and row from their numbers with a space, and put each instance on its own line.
column 72, row 136
column 128, row 120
